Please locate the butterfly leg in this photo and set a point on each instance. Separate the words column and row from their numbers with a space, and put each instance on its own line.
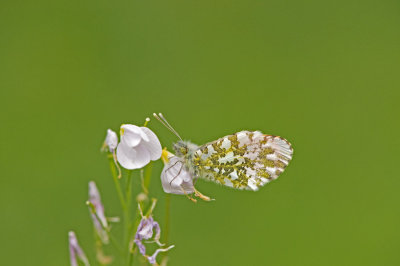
column 201, row 196
column 180, row 170
column 188, row 196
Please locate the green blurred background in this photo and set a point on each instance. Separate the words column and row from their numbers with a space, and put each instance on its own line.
column 323, row 74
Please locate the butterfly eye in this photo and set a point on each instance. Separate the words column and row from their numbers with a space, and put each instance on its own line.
column 183, row 150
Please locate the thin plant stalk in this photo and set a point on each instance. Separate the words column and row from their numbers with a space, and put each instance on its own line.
column 116, row 181
column 111, row 236
column 145, row 187
column 127, row 209
column 147, row 177
column 167, row 217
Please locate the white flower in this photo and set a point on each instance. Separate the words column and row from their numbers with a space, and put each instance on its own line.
column 175, row 179
column 138, row 146
column 76, row 251
column 100, row 220
column 111, row 141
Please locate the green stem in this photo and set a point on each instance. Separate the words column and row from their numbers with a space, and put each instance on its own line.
column 151, row 209
column 147, row 177
column 116, row 181
column 167, row 217
column 130, row 259
column 127, row 209
column 105, row 228
column 145, row 187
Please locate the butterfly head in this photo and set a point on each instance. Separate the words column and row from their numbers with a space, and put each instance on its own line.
column 181, row 148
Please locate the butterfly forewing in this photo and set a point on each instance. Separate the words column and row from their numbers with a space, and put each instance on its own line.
column 245, row 160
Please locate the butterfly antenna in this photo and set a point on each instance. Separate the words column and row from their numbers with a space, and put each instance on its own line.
column 164, row 121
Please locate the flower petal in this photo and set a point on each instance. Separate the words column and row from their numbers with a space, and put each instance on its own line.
column 75, row 250
column 153, row 145
column 132, row 158
column 157, row 233
column 111, row 140
column 142, row 248
column 174, row 177
column 145, row 229
column 94, row 198
column 132, row 135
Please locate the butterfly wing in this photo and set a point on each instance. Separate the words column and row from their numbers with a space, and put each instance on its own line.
column 245, row 160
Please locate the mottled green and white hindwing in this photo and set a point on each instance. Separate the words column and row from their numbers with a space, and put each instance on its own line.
column 245, row 160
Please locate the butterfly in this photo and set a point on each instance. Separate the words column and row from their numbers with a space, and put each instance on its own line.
column 245, row 160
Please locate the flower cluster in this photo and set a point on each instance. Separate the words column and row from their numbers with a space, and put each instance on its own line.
column 133, row 149
column 139, row 146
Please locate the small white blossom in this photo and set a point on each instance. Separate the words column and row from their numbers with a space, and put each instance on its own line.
column 75, row 251
column 100, row 220
column 138, row 146
column 111, row 141
column 175, row 179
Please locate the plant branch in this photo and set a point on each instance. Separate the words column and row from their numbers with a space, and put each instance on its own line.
column 116, row 181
